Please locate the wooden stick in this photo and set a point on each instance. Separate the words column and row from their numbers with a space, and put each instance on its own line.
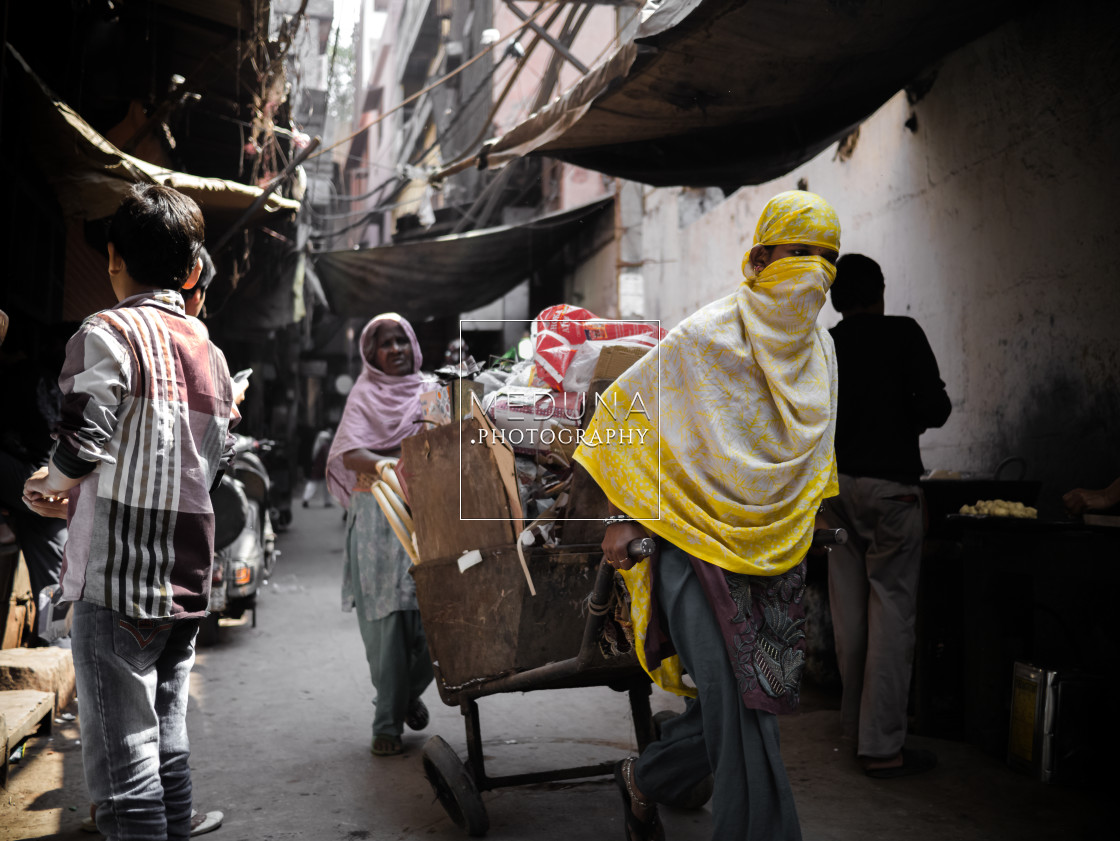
column 395, row 523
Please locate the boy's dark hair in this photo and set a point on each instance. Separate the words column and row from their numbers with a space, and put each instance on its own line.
column 207, row 275
column 859, row 283
column 158, row 232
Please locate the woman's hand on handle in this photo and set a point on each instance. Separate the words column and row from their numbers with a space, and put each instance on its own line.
column 616, row 542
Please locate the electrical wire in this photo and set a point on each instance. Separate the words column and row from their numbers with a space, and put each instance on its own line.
column 442, row 135
column 463, row 161
column 408, row 100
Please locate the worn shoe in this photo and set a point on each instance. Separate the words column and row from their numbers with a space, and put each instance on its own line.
column 636, row 830
column 200, row 824
column 417, row 717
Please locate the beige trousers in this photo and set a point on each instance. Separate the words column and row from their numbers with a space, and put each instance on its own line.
column 873, row 591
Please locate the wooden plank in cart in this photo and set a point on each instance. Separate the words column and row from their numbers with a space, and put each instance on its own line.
column 483, row 623
column 447, row 526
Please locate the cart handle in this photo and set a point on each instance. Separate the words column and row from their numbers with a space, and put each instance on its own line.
column 638, row 549
column 828, row 537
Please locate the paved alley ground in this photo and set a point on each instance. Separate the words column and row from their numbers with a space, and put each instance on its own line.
column 280, row 729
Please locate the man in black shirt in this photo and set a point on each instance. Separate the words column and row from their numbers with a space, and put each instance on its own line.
column 890, row 392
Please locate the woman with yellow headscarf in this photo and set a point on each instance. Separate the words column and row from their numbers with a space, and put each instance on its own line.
column 719, row 443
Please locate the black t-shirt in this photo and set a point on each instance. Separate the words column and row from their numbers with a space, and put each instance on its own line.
column 890, row 392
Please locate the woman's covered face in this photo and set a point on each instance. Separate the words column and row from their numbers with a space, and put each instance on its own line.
column 762, row 256
column 392, row 351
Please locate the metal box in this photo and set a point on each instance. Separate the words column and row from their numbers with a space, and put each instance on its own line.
column 1053, row 719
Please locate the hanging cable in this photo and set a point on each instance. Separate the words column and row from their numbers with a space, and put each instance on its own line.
column 408, row 100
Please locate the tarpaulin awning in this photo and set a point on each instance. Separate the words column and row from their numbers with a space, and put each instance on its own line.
column 726, row 92
column 90, row 175
column 451, row 274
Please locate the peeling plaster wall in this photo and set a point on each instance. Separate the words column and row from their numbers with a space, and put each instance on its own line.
column 996, row 223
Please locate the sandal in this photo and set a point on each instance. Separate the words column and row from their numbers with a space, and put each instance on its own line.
column 418, row 717
column 635, row 829
column 386, row 744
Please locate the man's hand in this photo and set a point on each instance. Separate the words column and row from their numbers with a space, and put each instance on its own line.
column 44, row 508
column 41, row 498
column 1080, row 500
column 239, row 389
column 616, row 541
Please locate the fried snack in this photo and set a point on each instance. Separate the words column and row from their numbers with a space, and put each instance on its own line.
column 1000, row 508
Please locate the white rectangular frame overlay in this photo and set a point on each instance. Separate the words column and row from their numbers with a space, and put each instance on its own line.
column 530, row 321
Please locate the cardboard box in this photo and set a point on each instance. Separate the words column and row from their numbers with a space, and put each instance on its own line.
column 449, row 403
column 615, row 359
column 462, row 488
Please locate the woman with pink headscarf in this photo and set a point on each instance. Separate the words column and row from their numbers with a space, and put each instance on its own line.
column 382, row 410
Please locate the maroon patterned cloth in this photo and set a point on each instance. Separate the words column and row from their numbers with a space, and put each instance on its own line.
column 761, row 619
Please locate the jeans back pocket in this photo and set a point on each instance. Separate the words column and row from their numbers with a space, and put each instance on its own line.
column 140, row 642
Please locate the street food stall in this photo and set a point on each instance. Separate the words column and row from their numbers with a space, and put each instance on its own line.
column 1014, row 651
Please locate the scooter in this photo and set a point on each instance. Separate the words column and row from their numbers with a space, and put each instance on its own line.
column 244, row 541
column 276, row 459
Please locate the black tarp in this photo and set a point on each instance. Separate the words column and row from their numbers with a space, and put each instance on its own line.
column 452, row 274
column 725, row 92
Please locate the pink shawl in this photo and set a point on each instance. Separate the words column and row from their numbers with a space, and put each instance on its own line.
column 380, row 412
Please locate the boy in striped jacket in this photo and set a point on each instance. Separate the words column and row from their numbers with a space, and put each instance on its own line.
column 147, row 405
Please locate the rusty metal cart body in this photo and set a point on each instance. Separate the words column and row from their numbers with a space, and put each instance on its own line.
column 487, row 635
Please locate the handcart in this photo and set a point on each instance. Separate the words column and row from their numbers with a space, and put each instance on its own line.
column 488, row 635
column 506, row 620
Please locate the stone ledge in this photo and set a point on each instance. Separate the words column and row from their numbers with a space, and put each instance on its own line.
column 44, row 669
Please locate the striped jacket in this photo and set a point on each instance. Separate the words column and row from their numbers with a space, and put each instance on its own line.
column 146, row 412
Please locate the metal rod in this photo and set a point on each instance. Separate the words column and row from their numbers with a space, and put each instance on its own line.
column 556, row 45
column 600, row 598
column 642, row 715
column 476, row 761
column 827, row 537
column 490, row 783
column 243, row 220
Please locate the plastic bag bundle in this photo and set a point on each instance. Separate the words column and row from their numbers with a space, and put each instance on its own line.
column 559, row 331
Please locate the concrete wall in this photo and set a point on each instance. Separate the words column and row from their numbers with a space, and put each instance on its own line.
column 996, row 224
column 592, row 283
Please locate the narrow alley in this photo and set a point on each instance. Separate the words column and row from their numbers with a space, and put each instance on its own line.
column 279, row 726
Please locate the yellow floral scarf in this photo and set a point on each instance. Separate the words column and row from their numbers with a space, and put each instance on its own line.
column 721, row 439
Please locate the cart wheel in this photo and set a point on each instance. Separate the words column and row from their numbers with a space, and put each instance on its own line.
column 454, row 787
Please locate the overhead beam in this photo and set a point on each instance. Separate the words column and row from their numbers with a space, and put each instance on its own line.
column 552, row 42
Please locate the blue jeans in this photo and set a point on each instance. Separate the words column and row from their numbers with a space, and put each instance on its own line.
column 133, row 681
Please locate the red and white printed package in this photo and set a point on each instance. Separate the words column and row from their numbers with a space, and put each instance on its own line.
column 559, row 331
